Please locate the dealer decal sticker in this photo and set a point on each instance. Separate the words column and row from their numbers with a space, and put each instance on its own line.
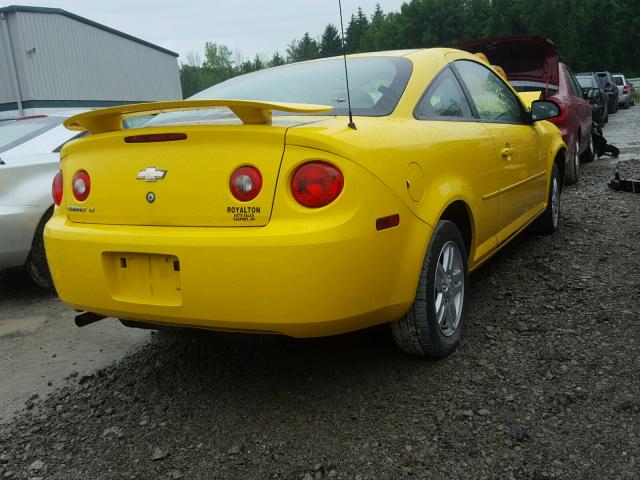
column 243, row 214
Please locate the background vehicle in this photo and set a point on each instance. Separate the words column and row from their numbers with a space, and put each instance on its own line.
column 611, row 89
column 595, row 93
column 625, row 98
column 357, row 226
column 29, row 159
column 532, row 64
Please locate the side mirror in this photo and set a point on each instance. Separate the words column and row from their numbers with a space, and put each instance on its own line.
column 544, row 110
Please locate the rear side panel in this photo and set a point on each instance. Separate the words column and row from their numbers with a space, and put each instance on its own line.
column 173, row 183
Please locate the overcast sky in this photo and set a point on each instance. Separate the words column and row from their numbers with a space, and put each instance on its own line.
column 251, row 26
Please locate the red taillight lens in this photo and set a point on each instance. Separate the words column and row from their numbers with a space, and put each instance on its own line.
column 625, row 89
column 57, row 188
column 316, row 184
column 81, row 185
column 246, row 183
column 564, row 113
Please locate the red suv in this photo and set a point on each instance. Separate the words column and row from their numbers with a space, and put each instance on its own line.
column 531, row 64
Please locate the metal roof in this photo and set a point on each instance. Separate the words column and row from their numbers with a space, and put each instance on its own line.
column 78, row 18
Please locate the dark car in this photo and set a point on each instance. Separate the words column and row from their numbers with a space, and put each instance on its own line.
column 531, row 63
column 612, row 90
column 593, row 90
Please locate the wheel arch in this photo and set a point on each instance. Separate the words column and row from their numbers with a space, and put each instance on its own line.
column 459, row 212
column 560, row 160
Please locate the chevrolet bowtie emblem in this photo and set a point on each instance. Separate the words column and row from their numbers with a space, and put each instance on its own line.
column 151, row 174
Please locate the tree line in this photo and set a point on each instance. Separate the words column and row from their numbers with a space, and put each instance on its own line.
column 590, row 35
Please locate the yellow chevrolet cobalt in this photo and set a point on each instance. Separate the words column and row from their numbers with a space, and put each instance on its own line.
column 256, row 207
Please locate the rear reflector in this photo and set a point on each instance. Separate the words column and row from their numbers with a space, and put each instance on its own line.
column 156, row 137
column 387, row 222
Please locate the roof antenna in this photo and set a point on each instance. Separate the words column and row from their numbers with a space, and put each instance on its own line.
column 346, row 72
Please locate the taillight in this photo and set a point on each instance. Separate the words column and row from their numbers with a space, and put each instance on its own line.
column 81, row 185
column 564, row 113
column 57, row 188
column 316, row 184
column 246, row 183
column 156, row 137
column 625, row 89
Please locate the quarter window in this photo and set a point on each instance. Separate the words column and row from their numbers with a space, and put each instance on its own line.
column 444, row 99
column 494, row 101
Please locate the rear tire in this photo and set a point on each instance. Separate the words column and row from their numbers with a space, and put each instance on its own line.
column 36, row 264
column 571, row 175
column 589, row 154
column 433, row 325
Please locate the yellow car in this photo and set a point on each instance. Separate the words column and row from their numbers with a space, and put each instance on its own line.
column 256, row 207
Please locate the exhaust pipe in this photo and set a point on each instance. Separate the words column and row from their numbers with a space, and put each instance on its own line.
column 87, row 318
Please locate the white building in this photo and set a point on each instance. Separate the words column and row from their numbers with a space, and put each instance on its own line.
column 51, row 60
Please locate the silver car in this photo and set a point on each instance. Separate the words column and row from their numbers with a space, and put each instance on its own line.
column 29, row 159
column 625, row 98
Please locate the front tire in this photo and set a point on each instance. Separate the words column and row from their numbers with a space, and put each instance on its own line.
column 547, row 223
column 433, row 325
column 37, row 261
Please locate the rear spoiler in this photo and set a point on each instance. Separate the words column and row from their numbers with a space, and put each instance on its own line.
column 249, row 111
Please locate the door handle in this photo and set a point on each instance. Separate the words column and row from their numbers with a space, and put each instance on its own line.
column 507, row 153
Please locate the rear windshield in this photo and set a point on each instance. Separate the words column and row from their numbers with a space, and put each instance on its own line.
column 525, row 86
column 618, row 80
column 376, row 85
column 16, row 133
column 587, row 82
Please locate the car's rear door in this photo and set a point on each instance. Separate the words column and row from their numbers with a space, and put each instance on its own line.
column 522, row 181
column 580, row 107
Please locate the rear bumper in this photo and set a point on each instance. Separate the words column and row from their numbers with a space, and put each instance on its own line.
column 624, row 98
column 288, row 277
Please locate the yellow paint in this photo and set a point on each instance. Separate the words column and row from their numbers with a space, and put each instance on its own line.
column 285, row 268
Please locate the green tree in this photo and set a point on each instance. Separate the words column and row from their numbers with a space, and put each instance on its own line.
column 305, row 49
column 277, row 60
column 330, row 42
column 356, row 29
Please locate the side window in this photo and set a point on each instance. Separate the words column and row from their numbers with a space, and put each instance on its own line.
column 444, row 99
column 493, row 100
column 575, row 90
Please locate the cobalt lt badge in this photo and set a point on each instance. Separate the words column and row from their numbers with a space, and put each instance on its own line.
column 151, row 197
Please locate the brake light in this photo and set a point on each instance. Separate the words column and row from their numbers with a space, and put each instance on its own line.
column 316, row 184
column 564, row 113
column 81, row 185
column 625, row 89
column 57, row 188
column 155, row 137
column 246, row 183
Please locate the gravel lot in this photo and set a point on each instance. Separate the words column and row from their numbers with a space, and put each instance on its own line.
column 545, row 385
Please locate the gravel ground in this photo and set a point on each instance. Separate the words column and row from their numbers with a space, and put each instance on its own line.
column 546, row 383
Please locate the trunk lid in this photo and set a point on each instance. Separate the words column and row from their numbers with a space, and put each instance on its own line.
column 174, row 183
column 523, row 58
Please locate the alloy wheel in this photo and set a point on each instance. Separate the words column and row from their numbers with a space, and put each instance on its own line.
column 449, row 288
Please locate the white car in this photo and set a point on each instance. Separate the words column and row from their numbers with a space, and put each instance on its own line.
column 29, row 159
